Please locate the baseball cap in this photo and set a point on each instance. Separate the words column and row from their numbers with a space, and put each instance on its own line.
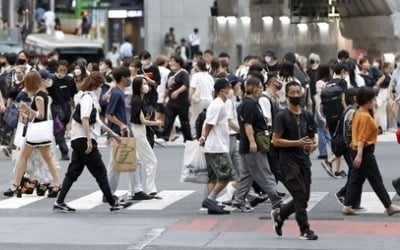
column 221, row 83
column 270, row 53
column 45, row 74
column 232, row 79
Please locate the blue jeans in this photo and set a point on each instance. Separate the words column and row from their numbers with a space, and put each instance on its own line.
column 324, row 138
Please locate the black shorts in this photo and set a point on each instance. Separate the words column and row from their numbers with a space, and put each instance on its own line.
column 160, row 108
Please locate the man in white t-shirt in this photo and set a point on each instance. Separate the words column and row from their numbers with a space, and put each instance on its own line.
column 215, row 137
column 49, row 20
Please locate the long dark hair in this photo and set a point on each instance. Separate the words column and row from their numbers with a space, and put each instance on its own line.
column 323, row 73
column 137, row 86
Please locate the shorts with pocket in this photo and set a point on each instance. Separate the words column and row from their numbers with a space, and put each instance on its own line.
column 219, row 167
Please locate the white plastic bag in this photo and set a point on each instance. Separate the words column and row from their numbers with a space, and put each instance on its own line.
column 19, row 137
column 194, row 167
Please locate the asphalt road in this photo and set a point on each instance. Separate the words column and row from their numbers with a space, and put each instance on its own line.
column 176, row 222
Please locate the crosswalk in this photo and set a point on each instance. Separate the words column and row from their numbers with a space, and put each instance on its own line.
column 370, row 201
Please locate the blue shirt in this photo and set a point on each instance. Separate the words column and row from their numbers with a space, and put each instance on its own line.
column 116, row 107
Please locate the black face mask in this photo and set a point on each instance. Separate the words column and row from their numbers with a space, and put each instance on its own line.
column 295, row 100
column 2, row 64
column 21, row 62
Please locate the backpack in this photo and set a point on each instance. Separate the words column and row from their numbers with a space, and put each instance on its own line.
column 199, row 122
column 331, row 100
column 341, row 138
column 77, row 114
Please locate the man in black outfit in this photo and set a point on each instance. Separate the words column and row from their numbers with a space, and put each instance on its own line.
column 62, row 90
column 294, row 130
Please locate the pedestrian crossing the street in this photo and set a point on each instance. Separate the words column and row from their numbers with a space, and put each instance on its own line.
column 370, row 201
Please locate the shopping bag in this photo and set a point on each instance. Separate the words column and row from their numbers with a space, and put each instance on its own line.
column 124, row 155
column 194, row 167
column 19, row 136
column 39, row 132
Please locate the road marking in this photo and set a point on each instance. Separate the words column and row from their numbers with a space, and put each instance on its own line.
column 92, row 200
column 150, row 236
column 168, row 197
column 372, row 204
column 315, row 198
column 14, row 202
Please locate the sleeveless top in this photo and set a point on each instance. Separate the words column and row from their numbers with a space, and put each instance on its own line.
column 46, row 102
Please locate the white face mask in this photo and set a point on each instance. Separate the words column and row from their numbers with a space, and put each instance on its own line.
column 268, row 59
column 77, row 72
column 375, row 64
column 145, row 89
column 398, row 65
column 145, row 63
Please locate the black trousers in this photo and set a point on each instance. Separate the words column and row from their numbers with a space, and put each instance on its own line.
column 93, row 162
column 63, row 112
column 342, row 192
column 170, row 115
column 368, row 170
column 298, row 182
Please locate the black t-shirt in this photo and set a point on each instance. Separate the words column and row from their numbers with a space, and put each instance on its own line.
column 293, row 127
column 249, row 111
column 312, row 73
column 274, row 68
column 386, row 82
column 154, row 74
column 137, row 106
column 62, row 90
column 175, row 82
column 14, row 90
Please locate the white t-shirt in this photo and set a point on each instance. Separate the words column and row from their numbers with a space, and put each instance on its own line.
column 218, row 138
column 231, row 109
column 86, row 100
column 194, row 39
column 164, row 72
column 206, row 83
column 265, row 105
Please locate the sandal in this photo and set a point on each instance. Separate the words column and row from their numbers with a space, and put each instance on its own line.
column 53, row 191
column 10, row 191
column 41, row 189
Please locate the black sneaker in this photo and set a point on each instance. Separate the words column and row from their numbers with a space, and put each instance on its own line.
column 63, row 208
column 396, row 185
column 327, row 166
column 65, row 157
column 322, row 157
column 277, row 222
column 340, row 174
column 140, row 196
column 258, row 200
column 213, row 207
column 119, row 206
column 114, row 196
column 340, row 199
column 308, row 235
column 242, row 208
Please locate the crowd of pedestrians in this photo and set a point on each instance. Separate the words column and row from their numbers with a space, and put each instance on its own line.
column 258, row 124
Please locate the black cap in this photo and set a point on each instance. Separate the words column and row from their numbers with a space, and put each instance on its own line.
column 221, row 83
column 270, row 53
column 45, row 74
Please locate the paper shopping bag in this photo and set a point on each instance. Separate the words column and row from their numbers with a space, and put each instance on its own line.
column 124, row 155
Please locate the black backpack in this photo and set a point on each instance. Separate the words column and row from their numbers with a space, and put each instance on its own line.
column 331, row 100
column 77, row 114
column 342, row 137
column 199, row 122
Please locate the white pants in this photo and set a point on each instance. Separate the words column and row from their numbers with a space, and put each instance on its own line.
column 146, row 156
column 381, row 111
column 135, row 181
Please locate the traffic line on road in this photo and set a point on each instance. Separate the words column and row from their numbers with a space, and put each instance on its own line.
column 168, row 197
column 92, row 200
column 150, row 236
column 315, row 198
column 372, row 204
column 14, row 202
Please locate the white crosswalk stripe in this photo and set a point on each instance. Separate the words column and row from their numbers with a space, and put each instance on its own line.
column 369, row 201
column 168, row 197
column 92, row 200
column 14, row 202
column 372, row 204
